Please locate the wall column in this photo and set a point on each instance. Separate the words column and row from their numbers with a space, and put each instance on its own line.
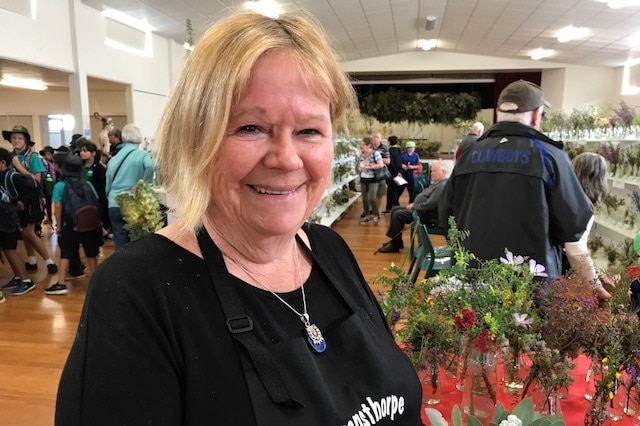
column 78, row 87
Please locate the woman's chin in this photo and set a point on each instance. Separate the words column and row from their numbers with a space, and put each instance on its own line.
column 282, row 224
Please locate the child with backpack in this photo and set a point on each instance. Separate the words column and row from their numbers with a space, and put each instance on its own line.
column 26, row 162
column 15, row 189
column 77, row 212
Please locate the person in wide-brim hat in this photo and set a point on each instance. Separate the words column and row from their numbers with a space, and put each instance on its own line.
column 72, row 166
column 6, row 134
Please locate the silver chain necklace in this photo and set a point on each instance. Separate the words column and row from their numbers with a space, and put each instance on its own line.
column 313, row 335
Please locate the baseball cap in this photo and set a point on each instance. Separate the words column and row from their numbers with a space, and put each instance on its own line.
column 521, row 96
column 410, row 144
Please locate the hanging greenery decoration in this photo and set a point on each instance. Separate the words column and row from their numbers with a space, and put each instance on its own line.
column 189, row 32
column 395, row 106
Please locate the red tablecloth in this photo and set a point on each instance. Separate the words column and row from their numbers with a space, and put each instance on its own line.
column 573, row 407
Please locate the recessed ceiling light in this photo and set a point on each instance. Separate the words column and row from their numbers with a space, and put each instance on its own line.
column 619, row 4
column 23, row 83
column 571, row 33
column 427, row 44
column 540, row 53
column 128, row 20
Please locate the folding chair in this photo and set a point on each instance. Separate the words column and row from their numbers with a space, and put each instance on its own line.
column 426, row 257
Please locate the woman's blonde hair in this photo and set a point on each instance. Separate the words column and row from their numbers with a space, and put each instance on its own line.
column 213, row 80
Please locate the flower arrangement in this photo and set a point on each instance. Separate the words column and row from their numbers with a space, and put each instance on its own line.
column 612, row 155
column 490, row 306
column 484, row 303
column 623, row 115
column 141, row 211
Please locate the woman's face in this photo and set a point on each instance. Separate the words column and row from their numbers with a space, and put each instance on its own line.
column 366, row 149
column 275, row 159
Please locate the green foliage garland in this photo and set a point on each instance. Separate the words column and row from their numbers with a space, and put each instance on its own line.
column 395, row 106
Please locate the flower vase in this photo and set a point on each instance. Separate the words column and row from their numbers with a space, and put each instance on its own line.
column 480, row 385
column 625, row 399
column 516, row 370
column 631, row 398
column 548, row 403
column 597, row 412
column 595, row 374
column 463, row 362
column 451, row 365
column 431, row 384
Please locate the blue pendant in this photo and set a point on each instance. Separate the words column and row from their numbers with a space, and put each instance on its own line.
column 314, row 339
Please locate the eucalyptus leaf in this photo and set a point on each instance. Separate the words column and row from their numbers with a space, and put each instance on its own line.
column 435, row 417
column 456, row 416
column 524, row 411
column 500, row 413
column 474, row 422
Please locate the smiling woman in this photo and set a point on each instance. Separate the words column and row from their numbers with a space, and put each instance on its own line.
column 239, row 313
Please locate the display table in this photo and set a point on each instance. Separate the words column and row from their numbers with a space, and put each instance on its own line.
column 573, row 407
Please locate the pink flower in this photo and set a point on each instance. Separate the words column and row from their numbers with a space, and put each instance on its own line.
column 537, row 269
column 511, row 260
column 522, row 321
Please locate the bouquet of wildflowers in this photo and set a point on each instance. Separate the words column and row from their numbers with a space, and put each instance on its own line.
column 551, row 370
column 570, row 316
column 140, row 211
column 426, row 334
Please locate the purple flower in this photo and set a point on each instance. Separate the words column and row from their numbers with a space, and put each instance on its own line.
column 537, row 269
column 511, row 260
column 521, row 320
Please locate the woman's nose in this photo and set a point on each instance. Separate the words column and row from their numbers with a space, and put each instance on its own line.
column 283, row 153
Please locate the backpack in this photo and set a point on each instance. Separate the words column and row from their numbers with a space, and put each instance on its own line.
column 8, row 215
column 10, row 183
column 27, row 165
column 80, row 206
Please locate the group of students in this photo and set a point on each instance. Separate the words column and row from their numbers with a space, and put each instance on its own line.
column 31, row 185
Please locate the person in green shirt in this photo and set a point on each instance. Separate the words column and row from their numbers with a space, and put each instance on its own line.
column 27, row 162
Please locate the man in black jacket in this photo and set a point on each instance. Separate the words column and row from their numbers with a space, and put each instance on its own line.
column 425, row 204
column 395, row 167
column 514, row 188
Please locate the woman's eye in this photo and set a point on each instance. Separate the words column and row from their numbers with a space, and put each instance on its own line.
column 309, row 132
column 249, row 128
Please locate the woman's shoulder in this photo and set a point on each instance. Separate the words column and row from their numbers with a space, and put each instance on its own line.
column 151, row 256
column 325, row 239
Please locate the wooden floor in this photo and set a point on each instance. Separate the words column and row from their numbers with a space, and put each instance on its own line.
column 36, row 331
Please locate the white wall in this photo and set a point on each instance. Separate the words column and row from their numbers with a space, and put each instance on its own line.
column 43, row 41
column 47, row 42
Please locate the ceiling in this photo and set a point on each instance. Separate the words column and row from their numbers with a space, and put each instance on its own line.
column 369, row 28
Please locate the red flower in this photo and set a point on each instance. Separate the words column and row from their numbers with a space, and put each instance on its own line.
column 483, row 341
column 465, row 319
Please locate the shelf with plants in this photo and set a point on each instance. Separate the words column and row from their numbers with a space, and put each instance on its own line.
column 618, row 217
column 617, row 227
column 334, row 214
column 338, row 197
